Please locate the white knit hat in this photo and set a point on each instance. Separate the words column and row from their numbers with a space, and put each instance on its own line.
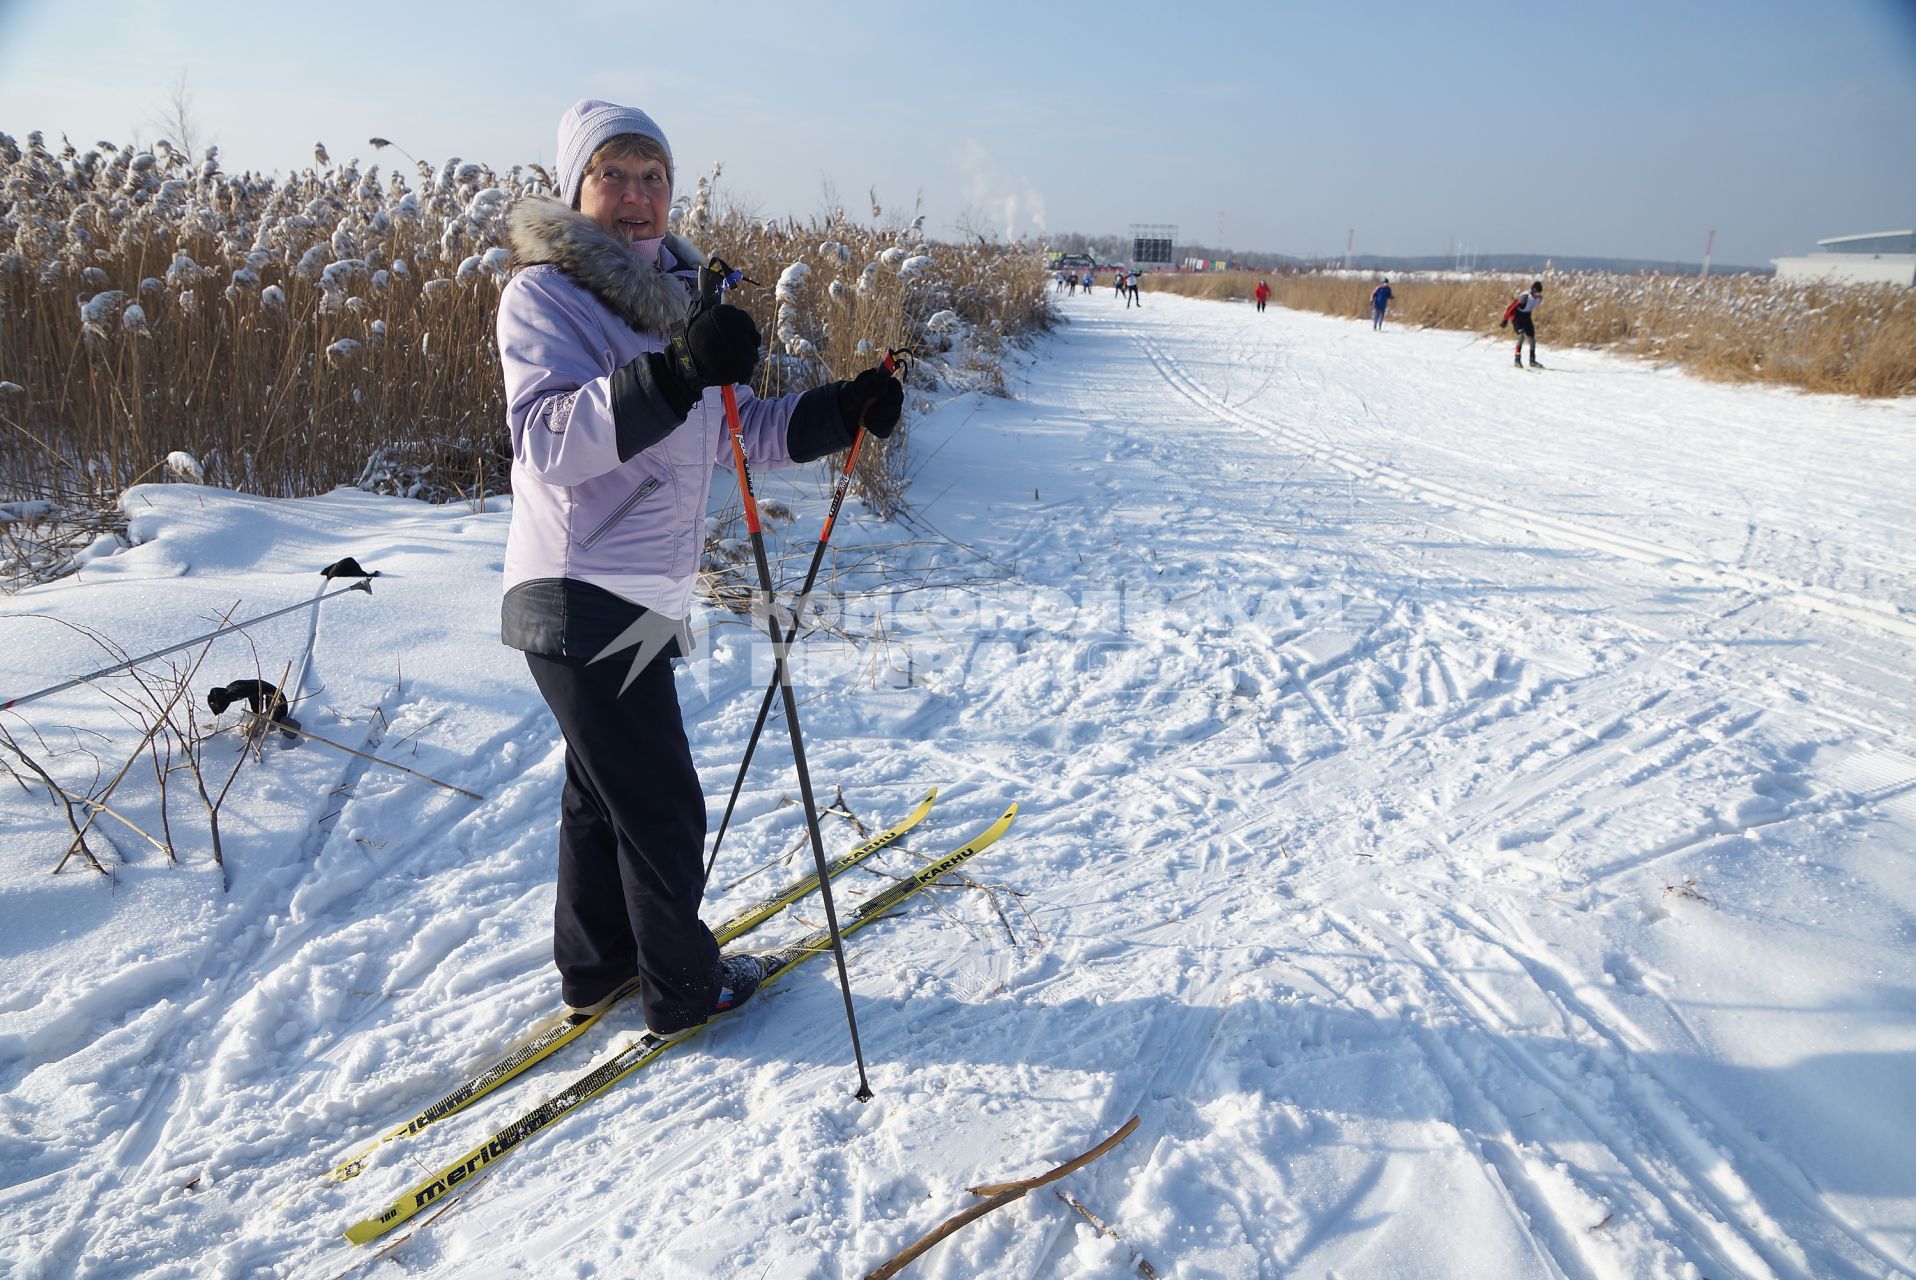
column 587, row 126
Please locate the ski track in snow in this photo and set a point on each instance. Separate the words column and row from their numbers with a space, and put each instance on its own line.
column 1467, row 816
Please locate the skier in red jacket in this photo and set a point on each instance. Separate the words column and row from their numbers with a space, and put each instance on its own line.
column 1522, row 312
column 1262, row 293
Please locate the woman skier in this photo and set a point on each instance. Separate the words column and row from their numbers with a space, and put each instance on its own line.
column 612, row 382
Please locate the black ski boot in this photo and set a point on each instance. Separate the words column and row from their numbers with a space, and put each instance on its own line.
column 738, row 979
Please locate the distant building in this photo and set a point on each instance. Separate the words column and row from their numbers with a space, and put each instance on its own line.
column 1881, row 257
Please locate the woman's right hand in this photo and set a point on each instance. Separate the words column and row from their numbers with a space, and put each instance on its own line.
column 715, row 347
column 720, row 344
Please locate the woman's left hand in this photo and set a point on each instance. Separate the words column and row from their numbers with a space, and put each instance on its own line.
column 874, row 400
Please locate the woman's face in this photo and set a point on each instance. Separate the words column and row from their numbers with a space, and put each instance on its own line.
column 630, row 197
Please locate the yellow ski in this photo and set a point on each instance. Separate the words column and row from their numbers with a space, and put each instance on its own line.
column 583, row 1089
column 553, row 1034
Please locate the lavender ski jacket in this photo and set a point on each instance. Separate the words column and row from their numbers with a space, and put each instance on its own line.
column 609, row 487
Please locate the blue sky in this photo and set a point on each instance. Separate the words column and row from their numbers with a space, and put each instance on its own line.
column 1619, row 128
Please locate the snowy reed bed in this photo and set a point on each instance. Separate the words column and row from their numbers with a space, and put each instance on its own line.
column 834, row 293
column 284, row 334
column 287, row 334
column 1849, row 339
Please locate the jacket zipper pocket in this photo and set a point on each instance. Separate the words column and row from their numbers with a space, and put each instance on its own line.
column 639, row 494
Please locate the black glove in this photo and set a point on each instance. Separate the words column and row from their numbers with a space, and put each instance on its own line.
column 263, row 698
column 1503, row 324
column 717, row 347
column 873, row 400
column 654, row 393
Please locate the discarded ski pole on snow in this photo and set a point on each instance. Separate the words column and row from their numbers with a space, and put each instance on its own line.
column 347, row 568
column 228, row 629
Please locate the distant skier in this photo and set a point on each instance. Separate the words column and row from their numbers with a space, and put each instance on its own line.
column 1522, row 312
column 1088, row 282
column 1131, row 290
column 1262, row 293
column 1379, row 303
column 1117, row 283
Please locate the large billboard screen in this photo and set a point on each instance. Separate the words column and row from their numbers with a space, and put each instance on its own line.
column 1146, row 249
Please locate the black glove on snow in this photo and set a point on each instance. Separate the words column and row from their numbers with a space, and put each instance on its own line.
column 874, row 400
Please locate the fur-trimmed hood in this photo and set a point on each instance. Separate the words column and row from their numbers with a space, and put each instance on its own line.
column 542, row 230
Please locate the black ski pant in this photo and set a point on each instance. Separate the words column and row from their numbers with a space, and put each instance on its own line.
column 1526, row 328
column 631, row 842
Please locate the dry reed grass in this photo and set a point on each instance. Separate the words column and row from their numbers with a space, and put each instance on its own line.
column 336, row 326
column 1850, row 339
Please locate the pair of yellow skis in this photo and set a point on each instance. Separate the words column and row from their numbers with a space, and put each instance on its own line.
column 550, row 1037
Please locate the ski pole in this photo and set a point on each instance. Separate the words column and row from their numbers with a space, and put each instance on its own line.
column 892, row 364
column 714, row 278
column 118, row 667
column 347, row 568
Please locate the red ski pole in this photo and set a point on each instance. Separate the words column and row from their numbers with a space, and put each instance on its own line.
column 715, row 277
column 893, row 363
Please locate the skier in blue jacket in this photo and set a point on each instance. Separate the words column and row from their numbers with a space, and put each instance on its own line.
column 1379, row 302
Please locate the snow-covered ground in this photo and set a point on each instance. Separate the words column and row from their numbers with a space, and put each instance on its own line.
column 1468, row 814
